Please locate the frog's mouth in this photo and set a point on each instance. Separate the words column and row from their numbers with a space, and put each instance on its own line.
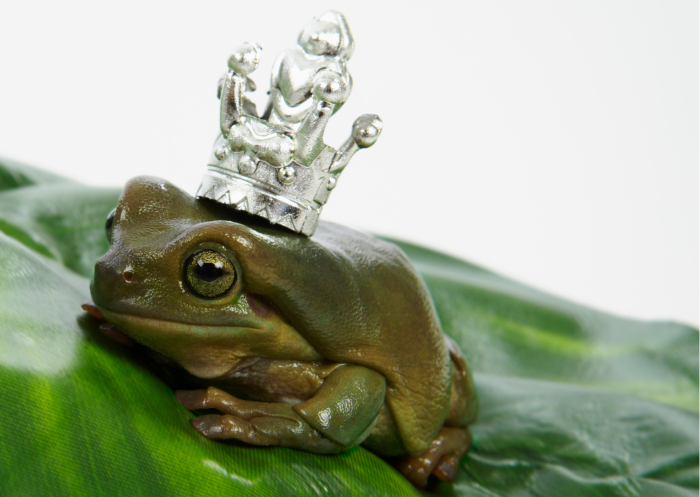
column 108, row 328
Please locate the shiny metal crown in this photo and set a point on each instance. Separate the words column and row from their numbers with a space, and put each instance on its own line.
column 277, row 166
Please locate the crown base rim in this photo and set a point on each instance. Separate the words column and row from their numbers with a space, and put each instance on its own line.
column 245, row 196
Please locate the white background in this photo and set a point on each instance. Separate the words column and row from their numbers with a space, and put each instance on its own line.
column 555, row 142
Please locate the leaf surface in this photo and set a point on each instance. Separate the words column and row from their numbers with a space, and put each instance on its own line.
column 572, row 401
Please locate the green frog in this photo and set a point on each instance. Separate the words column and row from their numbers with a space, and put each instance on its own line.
column 318, row 344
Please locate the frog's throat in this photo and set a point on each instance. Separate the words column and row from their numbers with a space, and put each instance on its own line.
column 206, row 351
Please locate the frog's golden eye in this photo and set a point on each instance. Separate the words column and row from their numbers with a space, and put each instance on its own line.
column 209, row 274
column 109, row 224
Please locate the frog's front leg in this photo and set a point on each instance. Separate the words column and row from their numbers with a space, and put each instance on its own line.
column 257, row 423
column 340, row 415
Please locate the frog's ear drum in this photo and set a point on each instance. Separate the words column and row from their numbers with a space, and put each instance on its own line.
column 209, row 274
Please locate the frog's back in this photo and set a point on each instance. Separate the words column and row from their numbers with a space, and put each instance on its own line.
column 358, row 299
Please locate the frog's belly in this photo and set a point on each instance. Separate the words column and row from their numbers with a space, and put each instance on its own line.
column 270, row 380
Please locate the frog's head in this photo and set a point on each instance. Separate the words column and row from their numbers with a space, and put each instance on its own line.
column 172, row 280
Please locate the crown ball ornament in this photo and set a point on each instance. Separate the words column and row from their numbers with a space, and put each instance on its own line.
column 277, row 166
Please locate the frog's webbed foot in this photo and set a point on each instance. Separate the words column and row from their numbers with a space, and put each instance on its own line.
column 441, row 459
column 257, row 423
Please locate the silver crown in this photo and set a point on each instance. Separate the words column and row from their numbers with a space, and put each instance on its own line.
column 277, row 166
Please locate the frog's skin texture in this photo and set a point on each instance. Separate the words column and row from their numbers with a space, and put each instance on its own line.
column 321, row 344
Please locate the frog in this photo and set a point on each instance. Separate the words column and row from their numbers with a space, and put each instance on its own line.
column 320, row 343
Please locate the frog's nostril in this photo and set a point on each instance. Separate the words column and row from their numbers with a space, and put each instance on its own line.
column 128, row 275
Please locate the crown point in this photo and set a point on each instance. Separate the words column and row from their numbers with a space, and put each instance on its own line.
column 287, row 175
column 247, row 165
column 245, row 59
column 366, row 130
column 330, row 87
column 221, row 153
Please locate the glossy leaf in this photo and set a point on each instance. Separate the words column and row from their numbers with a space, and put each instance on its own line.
column 573, row 401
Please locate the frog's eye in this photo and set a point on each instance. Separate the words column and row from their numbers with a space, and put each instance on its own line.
column 209, row 274
column 109, row 224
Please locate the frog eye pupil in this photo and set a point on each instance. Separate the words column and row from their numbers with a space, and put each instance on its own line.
column 209, row 274
column 207, row 271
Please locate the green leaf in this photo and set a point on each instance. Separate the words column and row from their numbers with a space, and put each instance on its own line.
column 573, row 401
column 53, row 216
column 14, row 174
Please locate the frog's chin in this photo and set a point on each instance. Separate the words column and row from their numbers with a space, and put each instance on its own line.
column 197, row 348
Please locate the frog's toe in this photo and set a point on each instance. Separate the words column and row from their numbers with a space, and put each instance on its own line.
column 211, row 398
column 214, row 426
column 416, row 469
column 441, row 459
column 192, row 399
column 215, row 398
column 107, row 328
column 447, row 467
column 117, row 335
column 92, row 309
column 210, row 426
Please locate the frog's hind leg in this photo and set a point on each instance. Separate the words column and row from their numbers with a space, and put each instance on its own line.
column 454, row 439
column 441, row 459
